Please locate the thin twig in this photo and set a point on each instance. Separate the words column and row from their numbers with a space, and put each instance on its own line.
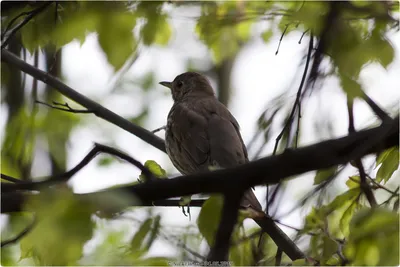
column 67, row 107
column 98, row 148
column 29, row 16
column 20, row 235
column 302, row 35
column 159, row 129
column 363, row 177
column 378, row 185
column 376, row 109
column 280, row 40
column 391, row 197
column 298, row 96
column 10, row 179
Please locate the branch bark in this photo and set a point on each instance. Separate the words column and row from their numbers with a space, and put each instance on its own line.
column 269, row 170
column 97, row 109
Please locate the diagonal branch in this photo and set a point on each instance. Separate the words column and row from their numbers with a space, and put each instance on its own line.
column 363, row 177
column 297, row 102
column 376, row 109
column 20, row 235
column 29, row 16
column 97, row 109
column 268, row 170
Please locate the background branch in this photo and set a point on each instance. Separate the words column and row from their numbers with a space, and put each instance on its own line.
column 97, row 109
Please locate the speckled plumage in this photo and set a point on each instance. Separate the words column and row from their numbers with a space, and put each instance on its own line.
column 201, row 132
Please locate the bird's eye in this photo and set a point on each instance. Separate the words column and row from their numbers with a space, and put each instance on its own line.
column 180, row 84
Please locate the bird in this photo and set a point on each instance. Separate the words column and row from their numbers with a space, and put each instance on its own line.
column 201, row 132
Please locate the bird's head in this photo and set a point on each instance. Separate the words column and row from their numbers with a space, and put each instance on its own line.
column 189, row 83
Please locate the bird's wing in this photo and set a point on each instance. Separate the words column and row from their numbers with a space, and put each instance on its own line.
column 227, row 148
column 189, row 128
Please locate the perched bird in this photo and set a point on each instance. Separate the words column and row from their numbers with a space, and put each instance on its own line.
column 201, row 132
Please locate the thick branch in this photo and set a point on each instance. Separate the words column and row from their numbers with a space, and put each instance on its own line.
column 97, row 109
column 219, row 251
column 269, row 170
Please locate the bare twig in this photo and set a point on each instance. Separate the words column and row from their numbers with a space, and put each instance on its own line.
column 10, row 179
column 280, row 40
column 363, row 178
column 378, row 185
column 298, row 96
column 29, row 16
column 376, row 109
column 98, row 110
column 20, row 235
column 302, row 35
column 98, row 148
column 159, row 129
column 66, row 108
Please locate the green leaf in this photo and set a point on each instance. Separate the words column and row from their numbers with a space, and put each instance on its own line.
column 64, row 226
column 220, row 32
column 137, row 241
column 75, row 21
column 373, row 238
column 209, row 218
column 329, row 248
column 185, row 200
column 353, row 182
column 163, row 34
column 117, row 29
column 37, row 32
column 351, row 87
column 153, row 168
column 343, row 199
column 346, row 218
column 376, row 221
column 105, row 161
column 266, row 35
column 300, row 262
column 153, row 232
column 389, row 160
column 324, row 174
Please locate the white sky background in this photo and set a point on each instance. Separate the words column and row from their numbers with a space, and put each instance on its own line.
column 258, row 76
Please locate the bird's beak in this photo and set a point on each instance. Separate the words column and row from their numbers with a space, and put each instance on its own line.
column 167, row 84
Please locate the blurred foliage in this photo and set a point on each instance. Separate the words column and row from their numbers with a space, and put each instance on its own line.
column 344, row 230
column 155, row 169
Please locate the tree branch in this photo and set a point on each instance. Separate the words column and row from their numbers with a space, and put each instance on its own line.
column 64, row 107
column 268, row 170
column 220, row 250
column 29, row 16
column 363, row 177
column 98, row 148
column 97, row 109
column 297, row 102
column 20, row 235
